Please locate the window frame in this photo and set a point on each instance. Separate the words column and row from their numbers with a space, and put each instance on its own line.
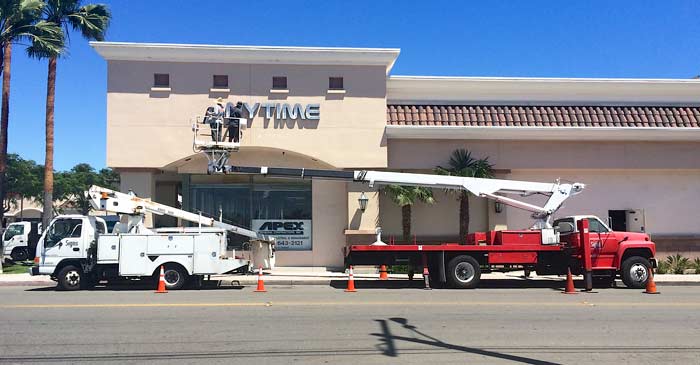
column 336, row 78
column 278, row 87
column 156, row 84
column 219, row 86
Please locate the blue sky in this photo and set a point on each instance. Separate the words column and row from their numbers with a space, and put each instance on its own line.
column 638, row 39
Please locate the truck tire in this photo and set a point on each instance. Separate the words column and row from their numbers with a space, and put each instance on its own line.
column 635, row 272
column 463, row 272
column 70, row 278
column 175, row 277
column 19, row 254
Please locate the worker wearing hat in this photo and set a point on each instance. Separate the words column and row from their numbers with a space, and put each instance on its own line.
column 214, row 116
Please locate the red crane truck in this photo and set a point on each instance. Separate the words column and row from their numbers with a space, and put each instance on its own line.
column 583, row 244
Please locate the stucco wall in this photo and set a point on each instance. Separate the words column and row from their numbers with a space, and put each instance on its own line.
column 669, row 197
column 152, row 129
column 439, row 221
column 426, row 154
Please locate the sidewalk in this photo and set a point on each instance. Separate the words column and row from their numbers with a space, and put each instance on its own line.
column 291, row 276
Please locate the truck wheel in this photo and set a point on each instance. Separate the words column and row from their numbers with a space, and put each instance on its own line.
column 69, row 278
column 175, row 277
column 635, row 272
column 463, row 272
column 19, row 254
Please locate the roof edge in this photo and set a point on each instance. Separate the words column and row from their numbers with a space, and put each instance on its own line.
column 132, row 51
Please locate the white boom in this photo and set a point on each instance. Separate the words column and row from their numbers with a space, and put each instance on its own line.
column 113, row 201
column 494, row 189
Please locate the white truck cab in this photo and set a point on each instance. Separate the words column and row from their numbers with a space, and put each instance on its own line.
column 20, row 239
column 67, row 239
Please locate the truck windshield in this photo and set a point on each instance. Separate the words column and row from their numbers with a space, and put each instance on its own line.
column 13, row 230
column 61, row 229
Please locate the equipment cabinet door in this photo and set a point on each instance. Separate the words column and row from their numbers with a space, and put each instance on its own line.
column 133, row 260
column 206, row 255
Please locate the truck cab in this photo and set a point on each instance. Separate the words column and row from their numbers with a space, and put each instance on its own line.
column 20, row 239
column 67, row 240
column 629, row 254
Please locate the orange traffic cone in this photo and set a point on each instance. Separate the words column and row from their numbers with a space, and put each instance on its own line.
column 161, row 282
column 569, row 283
column 382, row 273
column 351, row 282
column 261, row 283
column 651, row 286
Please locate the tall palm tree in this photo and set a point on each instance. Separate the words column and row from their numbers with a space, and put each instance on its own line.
column 463, row 164
column 405, row 197
column 19, row 22
column 91, row 21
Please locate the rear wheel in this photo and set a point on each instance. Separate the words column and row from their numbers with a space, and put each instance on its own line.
column 463, row 272
column 175, row 277
column 70, row 278
column 635, row 272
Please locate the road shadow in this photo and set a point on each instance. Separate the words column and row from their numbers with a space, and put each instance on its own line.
column 138, row 286
column 387, row 343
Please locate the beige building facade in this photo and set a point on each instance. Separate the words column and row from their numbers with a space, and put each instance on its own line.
column 633, row 142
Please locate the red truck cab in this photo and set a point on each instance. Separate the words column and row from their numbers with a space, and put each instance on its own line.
column 629, row 254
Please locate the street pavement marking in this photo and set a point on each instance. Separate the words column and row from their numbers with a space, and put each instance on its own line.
column 340, row 303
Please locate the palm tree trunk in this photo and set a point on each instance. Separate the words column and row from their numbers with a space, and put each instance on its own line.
column 48, row 162
column 463, row 216
column 4, row 121
column 406, row 222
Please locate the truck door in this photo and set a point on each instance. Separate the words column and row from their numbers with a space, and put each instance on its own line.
column 63, row 240
column 603, row 244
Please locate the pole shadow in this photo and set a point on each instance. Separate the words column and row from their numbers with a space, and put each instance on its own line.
column 387, row 343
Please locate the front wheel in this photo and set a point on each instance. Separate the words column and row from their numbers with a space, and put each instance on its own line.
column 463, row 272
column 70, row 278
column 19, row 254
column 635, row 272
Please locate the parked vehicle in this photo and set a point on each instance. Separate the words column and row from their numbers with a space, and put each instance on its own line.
column 77, row 251
column 583, row 244
column 20, row 239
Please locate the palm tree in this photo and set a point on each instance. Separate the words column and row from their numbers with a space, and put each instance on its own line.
column 405, row 197
column 19, row 22
column 91, row 21
column 463, row 164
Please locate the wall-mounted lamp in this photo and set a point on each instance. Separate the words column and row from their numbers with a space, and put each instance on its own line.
column 498, row 206
column 362, row 200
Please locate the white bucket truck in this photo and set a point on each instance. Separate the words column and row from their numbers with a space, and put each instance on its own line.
column 77, row 251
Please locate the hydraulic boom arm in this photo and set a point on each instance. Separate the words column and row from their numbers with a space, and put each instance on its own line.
column 129, row 204
column 490, row 188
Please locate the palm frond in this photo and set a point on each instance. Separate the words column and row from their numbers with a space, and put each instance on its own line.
column 91, row 20
column 46, row 40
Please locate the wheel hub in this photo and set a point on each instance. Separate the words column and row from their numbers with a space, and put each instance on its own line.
column 172, row 277
column 73, row 278
column 464, row 272
column 639, row 273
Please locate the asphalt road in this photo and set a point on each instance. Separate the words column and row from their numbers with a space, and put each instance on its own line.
column 320, row 325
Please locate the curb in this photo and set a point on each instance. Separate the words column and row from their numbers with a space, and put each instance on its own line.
column 291, row 282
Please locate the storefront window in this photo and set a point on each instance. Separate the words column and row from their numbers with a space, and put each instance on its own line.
column 278, row 208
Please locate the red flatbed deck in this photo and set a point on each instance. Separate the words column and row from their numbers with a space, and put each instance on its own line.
column 455, row 247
